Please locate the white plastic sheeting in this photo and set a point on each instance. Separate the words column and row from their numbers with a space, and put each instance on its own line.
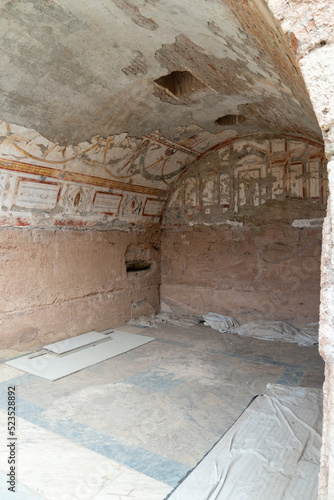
column 221, row 323
column 265, row 330
column 279, row 331
column 272, row 452
column 164, row 317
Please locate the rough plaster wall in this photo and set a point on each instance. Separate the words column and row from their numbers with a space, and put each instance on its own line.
column 242, row 232
column 56, row 284
column 326, row 483
column 266, row 272
column 91, row 59
column 310, row 25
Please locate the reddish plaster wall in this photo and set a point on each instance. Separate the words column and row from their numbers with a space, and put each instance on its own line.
column 242, row 232
column 270, row 272
column 56, row 284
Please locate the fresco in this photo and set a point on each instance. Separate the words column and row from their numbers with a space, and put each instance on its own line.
column 248, row 174
column 126, row 179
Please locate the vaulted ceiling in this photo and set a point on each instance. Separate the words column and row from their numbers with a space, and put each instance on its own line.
column 123, row 95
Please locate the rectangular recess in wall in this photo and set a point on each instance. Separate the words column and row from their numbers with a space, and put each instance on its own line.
column 51, row 366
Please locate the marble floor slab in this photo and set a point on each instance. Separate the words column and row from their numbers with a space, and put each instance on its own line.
column 134, row 425
column 55, row 468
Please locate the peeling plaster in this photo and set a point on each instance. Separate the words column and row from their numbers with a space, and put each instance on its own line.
column 98, row 60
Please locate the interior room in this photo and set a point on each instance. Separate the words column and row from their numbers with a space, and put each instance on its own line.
column 166, row 253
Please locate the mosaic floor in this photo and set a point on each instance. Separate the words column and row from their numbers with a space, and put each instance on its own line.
column 131, row 427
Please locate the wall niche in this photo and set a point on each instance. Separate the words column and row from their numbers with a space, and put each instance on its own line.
column 139, row 258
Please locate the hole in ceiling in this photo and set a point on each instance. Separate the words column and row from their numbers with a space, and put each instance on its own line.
column 230, row 120
column 180, row 83
column 137, row 265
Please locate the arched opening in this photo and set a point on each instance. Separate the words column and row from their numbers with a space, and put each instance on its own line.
column 254, row 208
column 123, row 192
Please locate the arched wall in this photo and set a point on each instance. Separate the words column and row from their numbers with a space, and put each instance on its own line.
column 101, row 152
column 83, row 282
column 242, row 232
column 310, row 27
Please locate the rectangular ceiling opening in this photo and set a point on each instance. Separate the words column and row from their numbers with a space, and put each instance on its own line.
column 180, row 83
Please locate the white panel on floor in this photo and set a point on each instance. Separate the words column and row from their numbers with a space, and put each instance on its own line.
column 52, row 367
column 271, row 452
column 74, row 342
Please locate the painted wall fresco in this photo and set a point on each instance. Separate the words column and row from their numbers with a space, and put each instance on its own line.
column 114, row 179
column 243, row 174
column 122, row 180
column 242, row 232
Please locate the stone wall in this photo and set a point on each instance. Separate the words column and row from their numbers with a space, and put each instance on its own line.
column 253, row 272
column 242, row 232
column 56, row 284
column 310, row 26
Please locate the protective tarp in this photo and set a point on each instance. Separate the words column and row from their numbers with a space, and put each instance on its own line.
column 311, row 332
column 219, row 322
column 158, row 319
column 272, row 452
column 278, row 331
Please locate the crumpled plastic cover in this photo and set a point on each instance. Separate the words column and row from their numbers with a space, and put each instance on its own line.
column 219, row 322
column 279, row 331
column 272, row 452
column 164, row 317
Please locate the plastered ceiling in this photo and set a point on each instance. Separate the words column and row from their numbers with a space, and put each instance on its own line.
column 86, row 110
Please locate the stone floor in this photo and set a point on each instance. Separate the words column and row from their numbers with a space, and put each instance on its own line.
column 133, row 426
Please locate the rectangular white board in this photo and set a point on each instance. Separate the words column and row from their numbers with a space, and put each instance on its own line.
column 74, row 342
column 53, row 367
